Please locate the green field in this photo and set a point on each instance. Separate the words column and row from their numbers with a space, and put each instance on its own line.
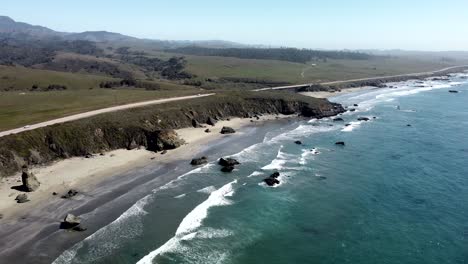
column 19, row 106
column 297, row 73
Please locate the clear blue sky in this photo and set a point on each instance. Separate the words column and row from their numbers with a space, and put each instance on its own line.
column 329, row 24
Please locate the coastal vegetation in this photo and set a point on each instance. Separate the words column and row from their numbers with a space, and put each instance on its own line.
column 150, row 127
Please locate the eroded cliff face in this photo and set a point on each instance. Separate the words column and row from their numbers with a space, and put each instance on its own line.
column 150, row 127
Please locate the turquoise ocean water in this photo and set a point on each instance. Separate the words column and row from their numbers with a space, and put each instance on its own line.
column 394, row 194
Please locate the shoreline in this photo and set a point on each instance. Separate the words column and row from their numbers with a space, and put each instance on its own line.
column 99, row 180
column 62, row 175
column 328, row 94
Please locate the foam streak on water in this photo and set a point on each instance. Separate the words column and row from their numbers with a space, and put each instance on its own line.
column 191, row 222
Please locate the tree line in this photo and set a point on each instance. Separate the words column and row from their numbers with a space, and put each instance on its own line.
column 282, row 54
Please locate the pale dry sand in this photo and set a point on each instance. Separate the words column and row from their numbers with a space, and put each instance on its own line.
column 324, row 94
column 79, row 172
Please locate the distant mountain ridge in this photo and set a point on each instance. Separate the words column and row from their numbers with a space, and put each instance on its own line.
column 12, row 28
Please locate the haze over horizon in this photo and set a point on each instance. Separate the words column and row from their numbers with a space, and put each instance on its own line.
column 419, row 25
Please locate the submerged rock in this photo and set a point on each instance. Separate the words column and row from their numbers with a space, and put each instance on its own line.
column 229, row 168
column 30, row 182
column 227, row 130
column 199, row 161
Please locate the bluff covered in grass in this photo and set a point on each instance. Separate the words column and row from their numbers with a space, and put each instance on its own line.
column 151, row 127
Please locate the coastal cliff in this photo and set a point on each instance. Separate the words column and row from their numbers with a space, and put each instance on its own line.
column 151, row 127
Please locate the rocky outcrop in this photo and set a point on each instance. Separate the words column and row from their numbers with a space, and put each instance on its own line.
column 298, row 142
column 199, row 161
column 338, row 119
column 363, row 119
column 71, row 193
column 211, row 121
column 195, row 123
column 273, row 179
column 227, row 168
column 151, row 127
column 30, row 182
column 453, row 91
column 22, row 198
column 227, row 130
column 228, row 164
column 73, row 223
column 340, row 143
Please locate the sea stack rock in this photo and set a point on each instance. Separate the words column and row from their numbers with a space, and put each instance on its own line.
column 227, row 130
column 199, row 161
column 273, row 179
column 228, row 164
column 30, row 182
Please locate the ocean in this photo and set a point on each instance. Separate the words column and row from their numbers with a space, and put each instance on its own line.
column 397, row 192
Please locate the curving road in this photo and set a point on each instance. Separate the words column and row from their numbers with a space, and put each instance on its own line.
column 98, row 112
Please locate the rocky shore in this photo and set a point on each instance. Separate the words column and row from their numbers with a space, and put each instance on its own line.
column 151, row 128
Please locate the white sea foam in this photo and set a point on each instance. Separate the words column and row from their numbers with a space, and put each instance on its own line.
column 102, row 241
column 207, row 190
column 255, row 173
column 189, row 225
column 180, row 196
column 194, row 219
column 352, row 126
column 307, row 154
column 278, row 162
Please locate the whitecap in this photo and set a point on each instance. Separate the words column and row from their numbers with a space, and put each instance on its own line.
column 192, row 221
column 352, row 126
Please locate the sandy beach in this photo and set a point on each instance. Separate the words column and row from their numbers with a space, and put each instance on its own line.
column 83, row 173
column 325, row 94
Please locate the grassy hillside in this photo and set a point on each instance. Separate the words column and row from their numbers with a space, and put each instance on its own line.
column 20, row 78
column 20, row 106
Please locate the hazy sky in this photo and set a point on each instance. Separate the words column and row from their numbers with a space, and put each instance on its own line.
column 330, row 24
